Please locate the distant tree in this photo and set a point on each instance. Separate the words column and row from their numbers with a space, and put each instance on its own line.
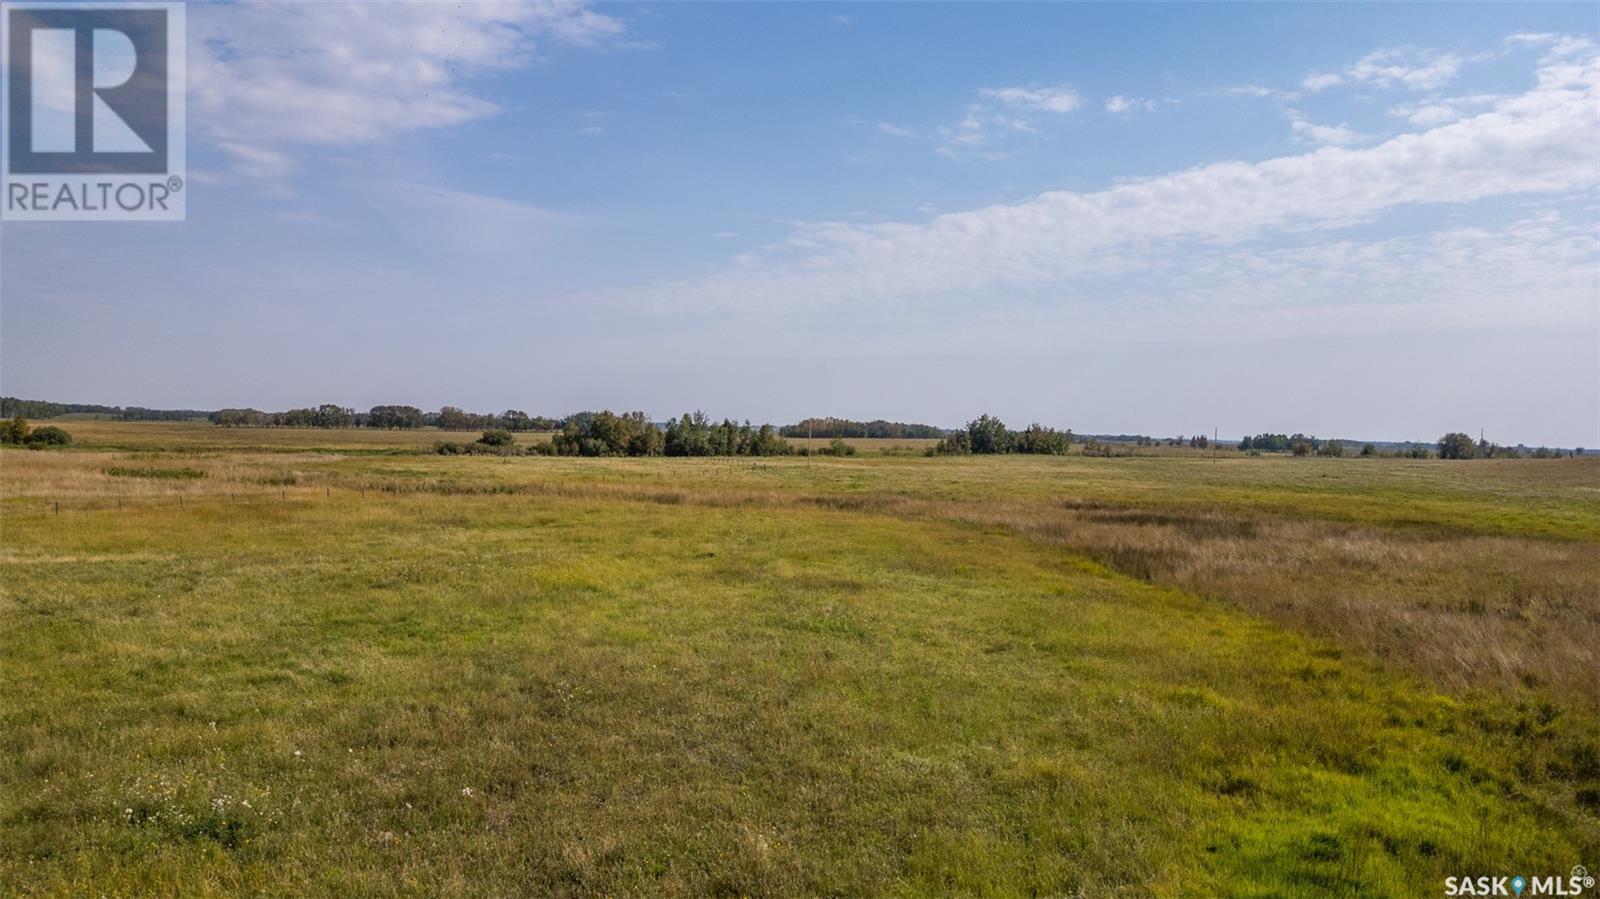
column 1273, row 443
column 390, row 417
column 1038, row 439
column 1201, row 441
column 606, row 434
column 294, row 418
column 10, row 406
column 988, row 434
column 453, row 419
column 844, row 427
column 497, row 437
column 516, row 420
column 1331, row 448
column 14, row 431
column 1369, row 450
column 1301, row 448
column 1457, row 445
column 957, row 444
column 240, row 418
column 688, row 435
column 645, row 438
column 330, row 415
column 767, row 442
column 49, row 435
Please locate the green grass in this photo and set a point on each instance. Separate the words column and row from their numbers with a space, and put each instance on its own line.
column 480, row 677
column 172, row 474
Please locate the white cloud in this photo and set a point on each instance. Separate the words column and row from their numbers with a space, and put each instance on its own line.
column 1327, row 135
column 894, row 130
column 1041, row 99
column 1442, row 110
column 1061, row 243
column 1127, row 106
column 1251, row 90
column 998, row 112
column 1317, row 81
column 1407, row 67
column 1120, row 105
column 1323, row 135
column 267, row 77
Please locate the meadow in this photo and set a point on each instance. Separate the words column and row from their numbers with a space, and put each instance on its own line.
column 330, row 663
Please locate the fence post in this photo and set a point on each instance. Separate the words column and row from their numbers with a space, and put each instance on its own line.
column 58, row 507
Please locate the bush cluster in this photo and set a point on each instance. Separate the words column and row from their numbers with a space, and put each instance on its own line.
column 987, row 435
column 332, row 415
column 844, row 427
column 17, row 433
column 607, row 433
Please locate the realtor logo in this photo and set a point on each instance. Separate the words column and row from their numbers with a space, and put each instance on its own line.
column 94, row 111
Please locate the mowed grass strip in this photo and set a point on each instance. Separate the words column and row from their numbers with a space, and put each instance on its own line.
column 508, row 695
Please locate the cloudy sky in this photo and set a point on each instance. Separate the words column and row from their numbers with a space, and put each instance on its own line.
column 1363, row 221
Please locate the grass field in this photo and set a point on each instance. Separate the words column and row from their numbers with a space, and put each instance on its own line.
column 277, row 662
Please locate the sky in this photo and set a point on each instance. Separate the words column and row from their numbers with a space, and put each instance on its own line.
column 1368, row 221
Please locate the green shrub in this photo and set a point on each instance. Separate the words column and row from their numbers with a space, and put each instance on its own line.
column 163, row 474
column 957, row 444
column 49, row 435
column 14, row 431
column 1038, row 439
column 1457, row 445
column 989, row 435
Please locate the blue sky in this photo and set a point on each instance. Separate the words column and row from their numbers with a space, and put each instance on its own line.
column 1370, row 221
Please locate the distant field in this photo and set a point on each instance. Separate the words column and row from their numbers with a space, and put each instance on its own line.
column 187, row 435
column 271, row 661
column 202, row 436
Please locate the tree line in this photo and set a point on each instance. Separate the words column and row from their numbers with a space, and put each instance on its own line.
column 11, row 407
column 332, row 415
column 1457, row 445
column 608, row 433
column 1454, row 445
column 844, row 427
column 692, row 434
